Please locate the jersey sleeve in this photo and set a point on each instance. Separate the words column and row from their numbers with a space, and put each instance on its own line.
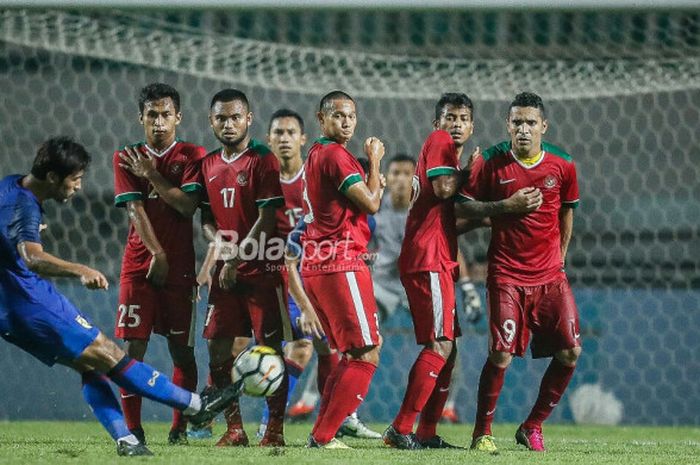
column 191, row 177
column 268, row 192
column 440, row 155
column 26, row 220
column 476, row 187
column 344, row 170
column 127, row 187
column 569, row 188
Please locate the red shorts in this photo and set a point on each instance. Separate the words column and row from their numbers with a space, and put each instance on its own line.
column 345, row 304
column 431, row 298
column 144, row 308
column 256, row 309
column 547, row 311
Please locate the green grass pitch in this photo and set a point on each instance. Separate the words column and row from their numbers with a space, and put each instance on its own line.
column 86, row 443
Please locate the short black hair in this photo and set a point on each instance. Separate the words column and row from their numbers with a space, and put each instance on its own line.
column 286, row 113
column 156, row 91
column 528, row 99
column 333, row 95
column 400, row 158
column 455, row 99
column 229, row 95
column 62, row 155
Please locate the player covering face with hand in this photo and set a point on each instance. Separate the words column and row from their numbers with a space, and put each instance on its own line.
column 40, row 320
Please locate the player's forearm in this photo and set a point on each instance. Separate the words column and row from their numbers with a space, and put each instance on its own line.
column 464, row 225
column 184, row 203
column 264, row 226
column 144, row 228
column 374, row 186
column 296, row 289
column 45, row 264
column 566, row 228
column 476, row 209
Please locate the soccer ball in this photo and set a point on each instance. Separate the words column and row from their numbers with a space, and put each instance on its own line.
column 261, row 370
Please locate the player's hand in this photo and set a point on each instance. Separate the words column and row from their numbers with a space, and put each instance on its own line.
column 309, row 323
column 471, row 301
column 137, row 163
column 228, row 275
column 472, row 158
column 93, row 279
column 203, row 279
column 524, row 200
column 374, row 148
column 158, row 270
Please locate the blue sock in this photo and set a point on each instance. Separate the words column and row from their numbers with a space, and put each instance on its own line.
column 99, row 396
column 294, row 371
column 141, row 379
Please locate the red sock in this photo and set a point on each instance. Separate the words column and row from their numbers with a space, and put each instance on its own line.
column 277, row 405
column 220, row 377
column 131, row 405
column 348, row 393
column 431, row 413
column 326, row 365
column 554, row 383
column 331, row 381
column 185, row 377
column 490, row 385
column 421, row 382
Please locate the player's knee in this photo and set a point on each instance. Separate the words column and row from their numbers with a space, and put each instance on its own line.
column 220, row 350
column 181, row 354
column 569, row 357
column 239, row 345
column 500, row 359
column 368, row 354
column 102, row 355
column 300, row 351
column 443, row 348
column 136, row 348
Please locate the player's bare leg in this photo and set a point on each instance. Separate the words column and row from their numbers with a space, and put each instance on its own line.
column 131, row 403
column 552, row 387
column 432, row 368
column 490, row 385
column 185, row 376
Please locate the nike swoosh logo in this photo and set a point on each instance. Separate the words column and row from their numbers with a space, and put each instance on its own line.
column 578, row 335
column 490, row 412
column 269, row 334
column 360, row 398
column 433, row 374
column 552, row 404
column 505, row 181
column 176, row 333
column 213, row 177
column 126, row 396
column 444, row 389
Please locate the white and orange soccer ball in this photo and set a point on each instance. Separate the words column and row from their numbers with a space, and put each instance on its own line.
column 261, row 370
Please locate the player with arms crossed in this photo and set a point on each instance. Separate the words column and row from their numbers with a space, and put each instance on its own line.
column 243, row 195
column 336, row 278
column 157, row 183
column 527, row 288
column 41, row 321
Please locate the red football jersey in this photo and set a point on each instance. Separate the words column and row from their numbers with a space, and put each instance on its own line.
column 337, row 232
column 525, row 248
column 179, row 165
column 235, row 189
column 293, row 190
column 430, row 241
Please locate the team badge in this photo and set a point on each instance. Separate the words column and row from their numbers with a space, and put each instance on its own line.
column 83, row 322
column 550, row 181
column 176, row 168
column 242, row 179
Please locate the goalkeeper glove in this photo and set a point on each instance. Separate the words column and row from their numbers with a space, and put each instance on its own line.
column 471, row 301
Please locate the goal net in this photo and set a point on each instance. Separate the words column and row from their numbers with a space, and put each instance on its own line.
column 623, row 97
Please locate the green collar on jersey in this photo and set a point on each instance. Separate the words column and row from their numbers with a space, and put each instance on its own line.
column 504, row 147
column 258, row 147
column 324, row 141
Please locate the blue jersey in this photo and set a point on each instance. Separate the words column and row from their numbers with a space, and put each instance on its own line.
column 33, row 314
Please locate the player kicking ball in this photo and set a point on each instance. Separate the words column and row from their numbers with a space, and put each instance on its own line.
column 41, row 321
column 528, row 292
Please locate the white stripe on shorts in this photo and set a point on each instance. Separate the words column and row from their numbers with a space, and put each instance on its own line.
column 284, row 312
column 436, row 295
column 359, row 308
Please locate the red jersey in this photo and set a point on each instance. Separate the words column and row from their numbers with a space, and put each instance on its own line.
column 179, row 165
column 337, row 232
column 430, row 241
column 525, row 248
column 293, row 190
column 234, row 190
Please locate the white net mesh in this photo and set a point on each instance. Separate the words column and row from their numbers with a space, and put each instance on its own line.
column 622, row 90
